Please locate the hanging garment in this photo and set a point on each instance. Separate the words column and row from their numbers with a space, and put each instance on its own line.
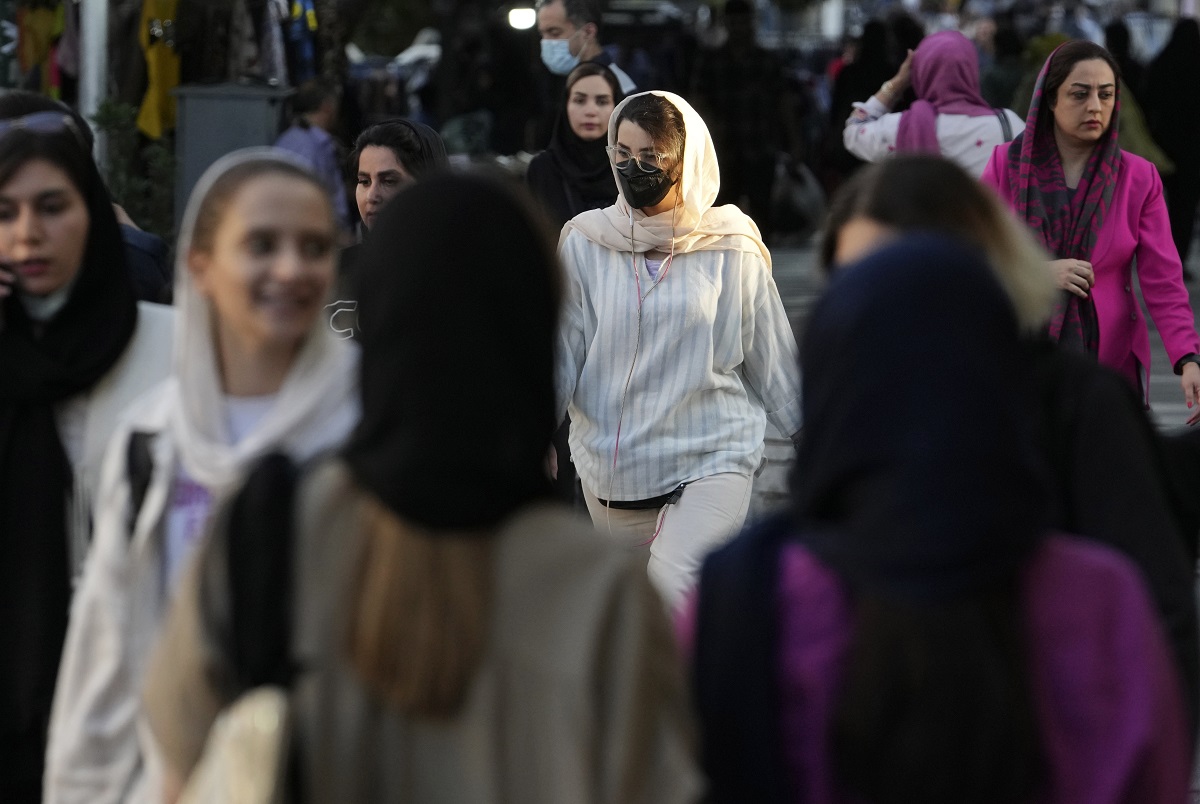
column 37, row 29
column 69, row 44
column 302, row 41
column 274, row 63
column 243, row 49
column 157, row 36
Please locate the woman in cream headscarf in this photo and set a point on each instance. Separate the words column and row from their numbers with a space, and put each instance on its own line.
column 675, row 348
column 255, row 370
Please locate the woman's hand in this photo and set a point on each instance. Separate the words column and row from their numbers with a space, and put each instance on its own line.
column 903, row 76
column 1191, row 389
column 1076, row 276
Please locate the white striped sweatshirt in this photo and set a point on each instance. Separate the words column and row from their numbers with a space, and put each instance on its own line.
column 716, row 358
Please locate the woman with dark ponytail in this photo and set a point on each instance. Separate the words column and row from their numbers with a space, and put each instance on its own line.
column 912, row 630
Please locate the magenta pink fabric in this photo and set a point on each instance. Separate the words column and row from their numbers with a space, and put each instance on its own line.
column 945, row 78
column 1135, row 225
column 1107, row 695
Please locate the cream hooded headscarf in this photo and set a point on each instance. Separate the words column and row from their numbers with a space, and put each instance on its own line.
column 316, row 407
column 695, row 225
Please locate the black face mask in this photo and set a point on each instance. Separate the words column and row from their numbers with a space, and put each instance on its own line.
column 642, row 189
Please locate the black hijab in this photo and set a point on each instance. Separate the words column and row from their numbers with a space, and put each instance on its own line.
column 1172, row 98
column 917, row 480
column 421, row 151
column 43, row 364
column 418, row 147
column 430, row 155
column 459, row 306
column 584, row 164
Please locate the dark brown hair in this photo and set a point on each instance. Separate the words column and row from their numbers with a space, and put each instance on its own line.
column 659, row 118
column 420, row 612
column 68, row 149
column 221, row 193
column 416, row 146
column 912, row 192
column 1061, row 63
column 589, row 68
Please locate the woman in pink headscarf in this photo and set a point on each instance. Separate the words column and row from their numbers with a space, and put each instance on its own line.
column 1100, row 212
column 950, row 116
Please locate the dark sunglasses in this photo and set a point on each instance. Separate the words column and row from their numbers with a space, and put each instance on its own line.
column 45, row 123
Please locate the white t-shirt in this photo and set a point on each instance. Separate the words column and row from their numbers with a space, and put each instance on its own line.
column 191, row 503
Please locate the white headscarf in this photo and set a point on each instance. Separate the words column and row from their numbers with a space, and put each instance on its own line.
column 317, row 405
column 696, row 225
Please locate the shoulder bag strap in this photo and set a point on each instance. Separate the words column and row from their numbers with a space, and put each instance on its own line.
column 1004, row 124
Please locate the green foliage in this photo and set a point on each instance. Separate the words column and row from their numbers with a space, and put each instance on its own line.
column 140, row 172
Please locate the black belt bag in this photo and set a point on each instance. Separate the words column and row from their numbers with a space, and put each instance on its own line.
column 670, row 498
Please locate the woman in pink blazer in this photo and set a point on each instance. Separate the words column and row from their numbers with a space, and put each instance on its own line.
column 1098, row 210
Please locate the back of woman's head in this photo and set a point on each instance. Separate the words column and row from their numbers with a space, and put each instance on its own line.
column 452, row 325
column 913, row 192
column 945, row 66
column 458, row 411
column 928, row 515
column 417, row 147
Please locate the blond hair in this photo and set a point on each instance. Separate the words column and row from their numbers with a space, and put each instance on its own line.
column 419, row 612
column 921, row 192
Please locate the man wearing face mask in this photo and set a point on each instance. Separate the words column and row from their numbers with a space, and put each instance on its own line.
column 570, row 31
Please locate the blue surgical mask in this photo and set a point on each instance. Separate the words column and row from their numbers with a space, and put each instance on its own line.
column 557, row 56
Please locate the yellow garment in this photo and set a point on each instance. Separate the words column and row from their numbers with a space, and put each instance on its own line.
column 157, row 114
column 37, row 30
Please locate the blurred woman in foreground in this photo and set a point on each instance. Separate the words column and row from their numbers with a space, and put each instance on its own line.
column 1109, row 477
column 901, row 634
column 459, row 637
column 76, row 348
column 255, row 371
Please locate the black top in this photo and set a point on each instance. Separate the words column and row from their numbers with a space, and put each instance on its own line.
column 563, row 198
column 146, row 256
column 1116, row 482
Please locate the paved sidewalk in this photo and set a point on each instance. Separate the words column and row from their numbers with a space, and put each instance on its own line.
column 800, row 285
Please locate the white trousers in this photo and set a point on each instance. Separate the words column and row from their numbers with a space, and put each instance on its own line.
column 709, row 513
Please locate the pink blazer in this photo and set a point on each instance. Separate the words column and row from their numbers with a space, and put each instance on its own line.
column 1136, row 226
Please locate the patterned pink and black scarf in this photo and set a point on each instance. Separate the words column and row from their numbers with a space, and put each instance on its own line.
column 1043, row 200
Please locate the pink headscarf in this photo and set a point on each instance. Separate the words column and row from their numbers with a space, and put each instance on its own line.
column 945, row 76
